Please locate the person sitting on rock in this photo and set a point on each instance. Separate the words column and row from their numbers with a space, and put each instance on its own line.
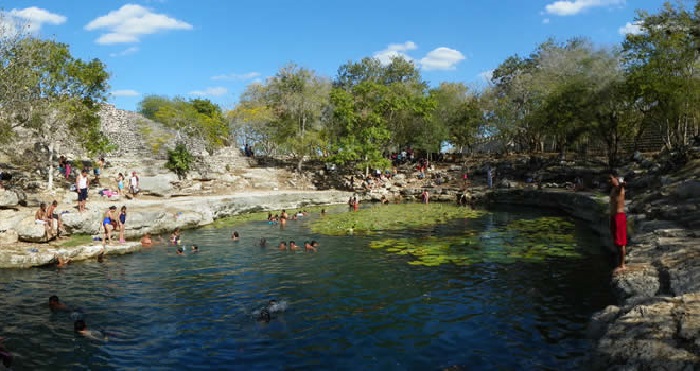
column 56, row 222
column 41, row 217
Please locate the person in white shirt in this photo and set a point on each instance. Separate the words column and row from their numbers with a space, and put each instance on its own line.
column 81, row 186
column 134, row 184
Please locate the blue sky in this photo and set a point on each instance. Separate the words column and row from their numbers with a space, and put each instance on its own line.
column 214, row 48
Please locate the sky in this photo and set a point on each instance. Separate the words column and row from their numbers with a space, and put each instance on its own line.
column 213, row 49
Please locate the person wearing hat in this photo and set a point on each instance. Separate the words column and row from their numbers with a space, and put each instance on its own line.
column 618, row 218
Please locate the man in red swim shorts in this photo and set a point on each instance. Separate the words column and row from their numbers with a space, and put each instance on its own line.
column 618, row 219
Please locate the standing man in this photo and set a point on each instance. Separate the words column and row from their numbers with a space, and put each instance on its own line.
column 134, row 184
column 618, row 219
column 81, row 186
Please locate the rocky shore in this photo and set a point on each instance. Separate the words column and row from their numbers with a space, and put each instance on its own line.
column 656, row 322
column 153, row 215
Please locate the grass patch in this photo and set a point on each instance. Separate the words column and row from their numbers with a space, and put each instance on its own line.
column 74, row 240
column 390, row 218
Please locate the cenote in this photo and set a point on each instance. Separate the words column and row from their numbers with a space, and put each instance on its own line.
column 504, row 289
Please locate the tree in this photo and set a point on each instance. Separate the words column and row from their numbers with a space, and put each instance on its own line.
column 298, row 96
column 375, row 107
column 199, row 118
column 662, row 65
column 58, row 95
column 251, row 120
column 459, row 113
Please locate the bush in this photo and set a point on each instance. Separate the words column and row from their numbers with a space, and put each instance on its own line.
column 179, row 160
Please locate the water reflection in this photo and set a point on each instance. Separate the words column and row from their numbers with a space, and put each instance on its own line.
column 347, row 306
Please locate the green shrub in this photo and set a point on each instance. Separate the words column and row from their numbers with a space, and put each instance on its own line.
column 179, row 160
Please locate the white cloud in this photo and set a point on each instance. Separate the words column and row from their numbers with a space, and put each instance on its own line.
column 441, row 59
column 545, row 21
column 131, row 22
column 395, row 50
column 630, row 28
column 127, row 51
column 438, row 59
column 125, row 93
column 573, row 7
column 237, row 76
column 215, row 91
column 31, row 17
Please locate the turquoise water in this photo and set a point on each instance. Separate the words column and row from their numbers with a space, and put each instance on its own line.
column 345, row 307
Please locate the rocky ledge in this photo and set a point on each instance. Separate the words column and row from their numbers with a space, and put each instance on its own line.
column 144, row 215
column 656, row 324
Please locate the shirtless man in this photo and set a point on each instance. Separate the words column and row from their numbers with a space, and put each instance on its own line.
column 293, row 246
column 283, row 246
column 42, row 217
column 618, row 219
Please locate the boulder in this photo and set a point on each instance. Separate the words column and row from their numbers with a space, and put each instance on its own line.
column 636, row 282
column 87, row 222
column 159, row 185
column 688, row 189
column 29, row 231
column 9, row 236
column 8, row 199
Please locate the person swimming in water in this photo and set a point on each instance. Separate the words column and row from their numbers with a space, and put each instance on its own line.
column 283, row 246
column 175, row 237
column 272, row 306
column 195, row 249
column 309, row 247
column 80, row 327
column 56, row 306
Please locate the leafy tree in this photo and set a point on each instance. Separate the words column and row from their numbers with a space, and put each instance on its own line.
column 251, row 120
column 199, row 118
column 375, row 107
column 56, row 95
column 662, row 65
column 179, row 160
column 298, row 96
column 459, row 112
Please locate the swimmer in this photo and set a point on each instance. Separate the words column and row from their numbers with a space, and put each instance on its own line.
column 56, row 306
column 146, row 240
column 180, row 251
column 60, row 261
column 293, row 246
column 175, row 237
column 235, row 236
column 195, row 249
column 263, row 242
column 80, row 327
column 101, row 256
column 265, row 313
column 283, row 246
column 314, row 243
column 308, row 247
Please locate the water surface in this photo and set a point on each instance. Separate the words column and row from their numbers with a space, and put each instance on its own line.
column 347, row 306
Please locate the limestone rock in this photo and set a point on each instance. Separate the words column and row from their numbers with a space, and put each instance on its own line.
column 8, row 199
column 636, row 282
column 9, row 236
column 159, row 185
column 29, row 231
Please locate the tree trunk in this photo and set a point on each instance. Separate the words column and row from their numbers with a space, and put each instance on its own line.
column 49, row 167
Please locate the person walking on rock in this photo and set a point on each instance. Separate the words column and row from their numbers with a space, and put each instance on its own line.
column 618, row 219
